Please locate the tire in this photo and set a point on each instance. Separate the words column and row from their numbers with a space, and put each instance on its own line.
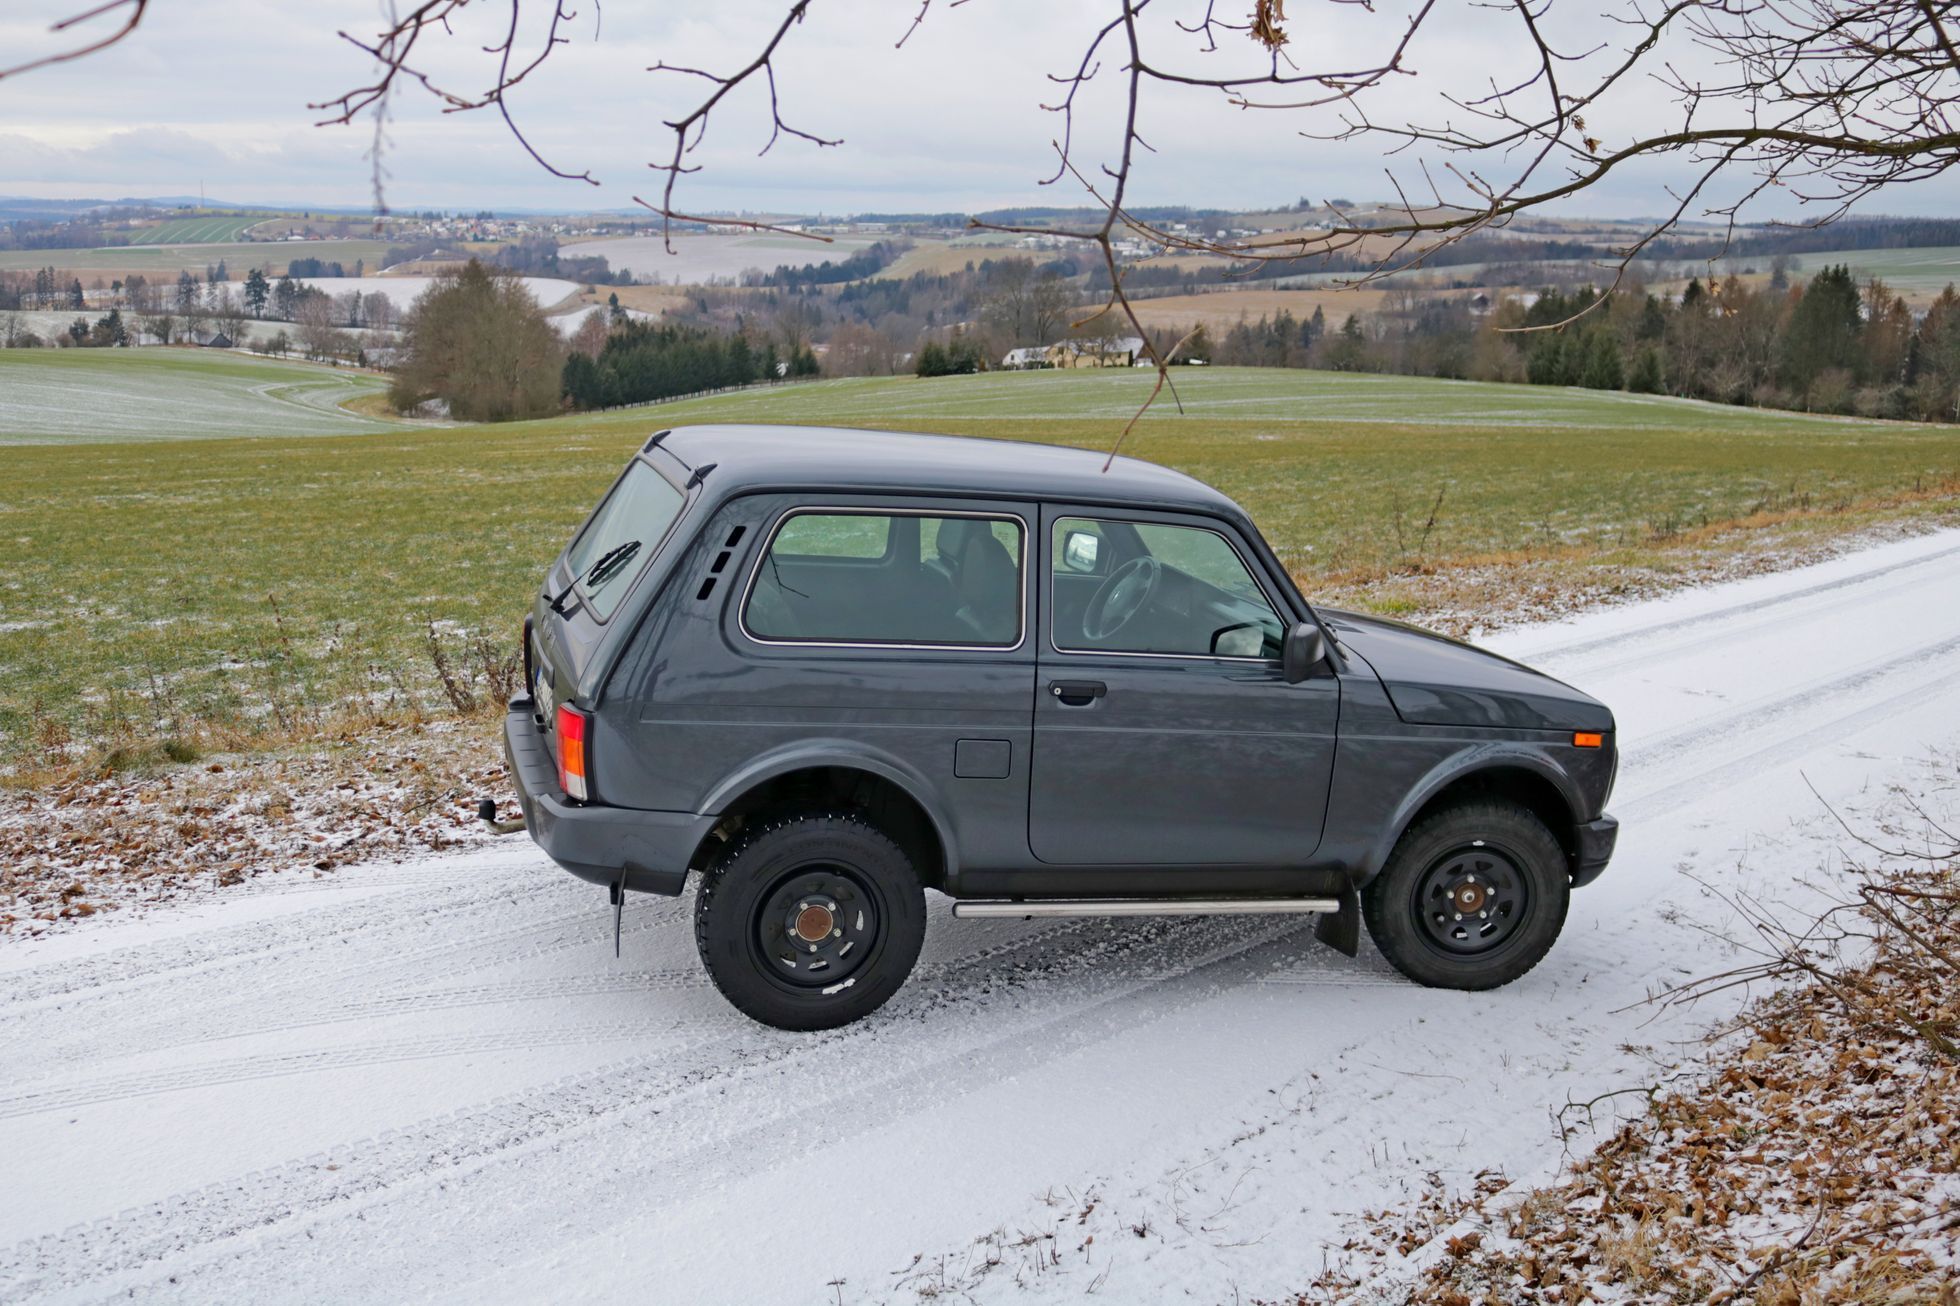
column 810, row 921
column 1494, row 860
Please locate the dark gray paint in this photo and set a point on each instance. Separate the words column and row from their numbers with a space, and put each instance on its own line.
column 1223, row 778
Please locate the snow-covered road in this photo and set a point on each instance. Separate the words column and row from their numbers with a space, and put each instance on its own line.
column 433, row 1080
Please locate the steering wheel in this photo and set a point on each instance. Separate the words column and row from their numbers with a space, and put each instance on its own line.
column 1127, row 592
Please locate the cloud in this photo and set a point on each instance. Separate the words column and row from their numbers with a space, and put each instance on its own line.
column 219, row 92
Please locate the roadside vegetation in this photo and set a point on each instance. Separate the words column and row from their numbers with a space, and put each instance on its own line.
column 1813, row 1157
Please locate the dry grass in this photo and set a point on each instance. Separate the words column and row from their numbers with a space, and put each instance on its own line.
column 647, row 299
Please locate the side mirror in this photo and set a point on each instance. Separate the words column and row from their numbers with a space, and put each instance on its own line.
column 1304, row 649
column 1081, row 551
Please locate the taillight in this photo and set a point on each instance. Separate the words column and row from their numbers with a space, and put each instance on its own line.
column 571, row 753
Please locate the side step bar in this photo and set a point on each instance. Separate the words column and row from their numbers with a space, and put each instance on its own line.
column 1150, row 907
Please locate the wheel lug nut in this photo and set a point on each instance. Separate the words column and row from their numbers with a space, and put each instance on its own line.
column 1459, row 915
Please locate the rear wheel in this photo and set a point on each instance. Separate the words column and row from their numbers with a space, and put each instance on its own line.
column 1472, row 897
column 810, row 921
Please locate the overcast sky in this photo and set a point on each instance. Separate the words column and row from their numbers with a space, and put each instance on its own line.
column 214, row 93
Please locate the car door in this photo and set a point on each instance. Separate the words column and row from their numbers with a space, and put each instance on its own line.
column 1164, row 732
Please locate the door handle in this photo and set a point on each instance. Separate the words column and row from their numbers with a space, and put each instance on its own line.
column 1078, row 693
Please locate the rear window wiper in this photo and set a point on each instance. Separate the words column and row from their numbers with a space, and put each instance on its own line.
column 608, row 565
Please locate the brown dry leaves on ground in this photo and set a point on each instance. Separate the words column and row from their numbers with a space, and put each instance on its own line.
column 1816, row 1161
column 83, row 845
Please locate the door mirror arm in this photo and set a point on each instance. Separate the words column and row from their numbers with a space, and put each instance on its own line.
column 1303, row 649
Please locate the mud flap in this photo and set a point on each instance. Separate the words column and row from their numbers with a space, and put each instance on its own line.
column 616, row 891
column 1341, row 930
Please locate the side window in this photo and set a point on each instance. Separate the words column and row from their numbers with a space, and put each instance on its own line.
column 1145, row 587
column 889, row 578
column 834, row 535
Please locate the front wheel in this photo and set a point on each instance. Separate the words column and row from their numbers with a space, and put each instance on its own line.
column 1472, row 897
column 810, row 921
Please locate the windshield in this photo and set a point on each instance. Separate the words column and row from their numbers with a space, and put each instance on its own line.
column 622, row 533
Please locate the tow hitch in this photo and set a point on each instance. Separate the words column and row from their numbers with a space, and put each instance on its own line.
column 486, row 812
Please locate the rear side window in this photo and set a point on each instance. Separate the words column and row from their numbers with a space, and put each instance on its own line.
column 833, row 577
column 622, row 536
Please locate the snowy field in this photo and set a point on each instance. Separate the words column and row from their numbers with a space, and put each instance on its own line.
column 700, row 257
column 401, row 291
column 432, row 1080
column 75, row 396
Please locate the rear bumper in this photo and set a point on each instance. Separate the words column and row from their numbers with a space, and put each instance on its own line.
column 1596, row 840
column 648, row 851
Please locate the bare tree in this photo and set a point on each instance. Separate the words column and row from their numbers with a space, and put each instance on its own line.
column 589, row 337
column 1826, row 100
column 229, row 315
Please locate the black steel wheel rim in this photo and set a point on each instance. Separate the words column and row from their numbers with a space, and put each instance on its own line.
column 816, row 927
column 1471, row 901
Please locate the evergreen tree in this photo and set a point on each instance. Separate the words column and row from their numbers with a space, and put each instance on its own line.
column 1604, row 368
column 1653, row 320
column 257, row 291
column 1646, row 378
column 1823, row 330
column 1545, row 364
column 186, row 291
column 932, row 360
column 75, row 297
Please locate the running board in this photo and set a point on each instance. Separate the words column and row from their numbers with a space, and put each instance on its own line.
column 1151, row 907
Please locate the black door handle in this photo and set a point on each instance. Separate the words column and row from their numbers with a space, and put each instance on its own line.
column 1078, row 693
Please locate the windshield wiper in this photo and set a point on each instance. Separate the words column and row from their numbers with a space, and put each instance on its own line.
column 607, row 566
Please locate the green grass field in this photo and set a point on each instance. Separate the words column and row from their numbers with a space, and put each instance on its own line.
column 205, row 229
column 69, row 396
column 170, row 586
column 154, row 259
column 1918, row 274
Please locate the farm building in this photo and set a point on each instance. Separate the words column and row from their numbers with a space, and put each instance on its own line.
column 1021, row 360
column 1121, row 351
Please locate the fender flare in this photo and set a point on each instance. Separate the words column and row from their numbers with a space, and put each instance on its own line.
column 1490, row 756
column 847, row 754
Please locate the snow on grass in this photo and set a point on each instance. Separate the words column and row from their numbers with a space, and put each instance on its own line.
column 402, row 291
column 83, row 396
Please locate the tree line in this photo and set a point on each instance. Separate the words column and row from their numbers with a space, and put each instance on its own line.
column 1831, row 345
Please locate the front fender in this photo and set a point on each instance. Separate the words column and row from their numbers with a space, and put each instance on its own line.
column 1492, row 755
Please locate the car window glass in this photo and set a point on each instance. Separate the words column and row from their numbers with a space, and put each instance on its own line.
column 822, row 580
column 835, row 535
column 1177, row 590
column 622, row 535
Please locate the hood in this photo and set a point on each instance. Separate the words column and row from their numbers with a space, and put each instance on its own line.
column 1435, row 680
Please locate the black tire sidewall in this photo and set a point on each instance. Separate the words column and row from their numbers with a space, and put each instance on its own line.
column 733, row 890
column 1388, row 900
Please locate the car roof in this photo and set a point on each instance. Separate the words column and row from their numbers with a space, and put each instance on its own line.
column 751, row 458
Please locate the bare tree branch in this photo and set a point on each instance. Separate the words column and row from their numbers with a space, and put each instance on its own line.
column 133, row 11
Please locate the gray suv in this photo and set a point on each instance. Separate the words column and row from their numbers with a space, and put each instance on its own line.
column 823, row 671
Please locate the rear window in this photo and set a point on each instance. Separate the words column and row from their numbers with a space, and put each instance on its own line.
column 622, row 535
column 890, row 578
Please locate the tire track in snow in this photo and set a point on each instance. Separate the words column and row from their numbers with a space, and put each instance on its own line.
column 36, row 1093
column 920, row 1033
column 1754, row 719
column 1736, row 625
column 1675, row 625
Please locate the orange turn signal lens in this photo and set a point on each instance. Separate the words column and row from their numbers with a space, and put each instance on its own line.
column 1587, row 739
